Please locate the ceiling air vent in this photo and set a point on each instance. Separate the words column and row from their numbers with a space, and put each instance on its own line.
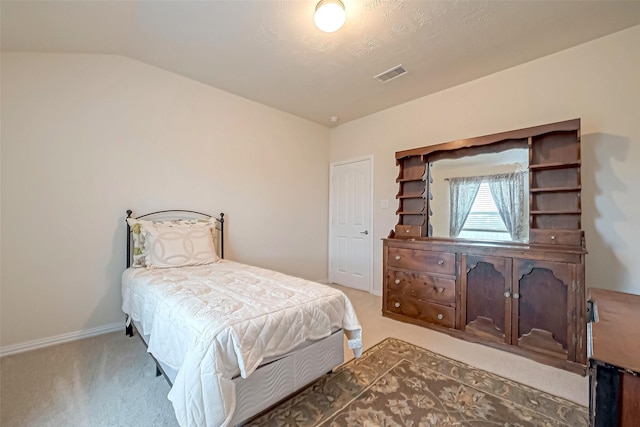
column 391, row 74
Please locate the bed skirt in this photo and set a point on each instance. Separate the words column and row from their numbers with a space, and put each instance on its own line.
column 277, row 377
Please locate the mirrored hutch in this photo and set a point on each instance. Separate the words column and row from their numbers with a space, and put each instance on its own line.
column 519, row 288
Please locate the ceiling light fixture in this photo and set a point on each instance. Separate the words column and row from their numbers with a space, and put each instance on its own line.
column 330, row 15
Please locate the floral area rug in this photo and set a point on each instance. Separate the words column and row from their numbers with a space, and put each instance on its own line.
column 399, row 384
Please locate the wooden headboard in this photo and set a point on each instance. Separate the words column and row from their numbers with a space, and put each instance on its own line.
column 173, row 214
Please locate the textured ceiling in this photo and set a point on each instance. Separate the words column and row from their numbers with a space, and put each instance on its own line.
column 270, row 51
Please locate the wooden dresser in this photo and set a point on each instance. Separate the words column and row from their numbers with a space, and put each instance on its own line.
column 525, row 299
column 614, row 359
column 526, row 295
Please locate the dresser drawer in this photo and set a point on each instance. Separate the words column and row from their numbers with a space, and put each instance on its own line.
column 421, row 310
column 440, row 290
column 408, row 231
column 425, row 261
column 556, row 237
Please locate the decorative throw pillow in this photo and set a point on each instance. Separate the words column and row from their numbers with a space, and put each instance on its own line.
column 138, row 241
column 178, row 246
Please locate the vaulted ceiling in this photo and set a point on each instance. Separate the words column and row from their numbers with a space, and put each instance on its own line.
column 271, row 52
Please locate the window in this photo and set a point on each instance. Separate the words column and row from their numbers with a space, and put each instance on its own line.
column 481, row 214
column 484, row 220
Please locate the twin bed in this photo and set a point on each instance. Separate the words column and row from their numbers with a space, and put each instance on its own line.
column 231, row 339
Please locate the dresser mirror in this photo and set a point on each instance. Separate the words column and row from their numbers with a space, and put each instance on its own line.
column 483, row 222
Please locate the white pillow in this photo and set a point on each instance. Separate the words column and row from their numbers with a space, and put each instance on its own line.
column 170, row 246
column 138, row 235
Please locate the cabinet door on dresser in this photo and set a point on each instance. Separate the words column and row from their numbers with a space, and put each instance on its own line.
column 544, row 308
column 486, row 302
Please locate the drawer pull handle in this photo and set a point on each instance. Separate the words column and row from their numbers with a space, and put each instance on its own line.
column 441, row 262
column 397, row 304
column 507, row 294
column 440, row 317
column 440, row 290
column 397, row 257
column 516, row 295
column 553, row 237
column 397, row 281
column 407, row 230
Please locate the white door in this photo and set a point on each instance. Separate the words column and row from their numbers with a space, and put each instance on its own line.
column 350, row 241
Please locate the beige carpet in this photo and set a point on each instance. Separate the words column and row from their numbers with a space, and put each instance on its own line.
column 398, row 384
column 109, row 380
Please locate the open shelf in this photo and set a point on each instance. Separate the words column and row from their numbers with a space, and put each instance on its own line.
column 555, row 189
column 412, row 168
column 408, row 179
column 412, row 205
column 560, row 212
column 554, row 165
column 409, row 196
column 409, row 213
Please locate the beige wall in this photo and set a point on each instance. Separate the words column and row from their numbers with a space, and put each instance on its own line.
column 598, row 82
column 85, row 137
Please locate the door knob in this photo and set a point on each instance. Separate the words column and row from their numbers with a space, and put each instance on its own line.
column 365, row 232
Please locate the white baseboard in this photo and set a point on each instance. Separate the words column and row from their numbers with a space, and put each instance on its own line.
column 59, row 339
column 376, row 292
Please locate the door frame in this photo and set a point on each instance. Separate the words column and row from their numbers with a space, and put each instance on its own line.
column 332, row 165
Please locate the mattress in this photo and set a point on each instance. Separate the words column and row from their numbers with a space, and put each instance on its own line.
column 210, row 323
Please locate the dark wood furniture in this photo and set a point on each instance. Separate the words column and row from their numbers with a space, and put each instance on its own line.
column 614, row 359
column 523, row 297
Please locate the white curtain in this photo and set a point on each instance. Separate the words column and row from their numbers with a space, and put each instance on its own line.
column 507, row 190
column 462, row 193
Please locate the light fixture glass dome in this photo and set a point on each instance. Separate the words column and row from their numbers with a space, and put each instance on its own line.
column 330, row 15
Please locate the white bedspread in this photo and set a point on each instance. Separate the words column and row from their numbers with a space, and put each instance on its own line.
column 213, row 321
